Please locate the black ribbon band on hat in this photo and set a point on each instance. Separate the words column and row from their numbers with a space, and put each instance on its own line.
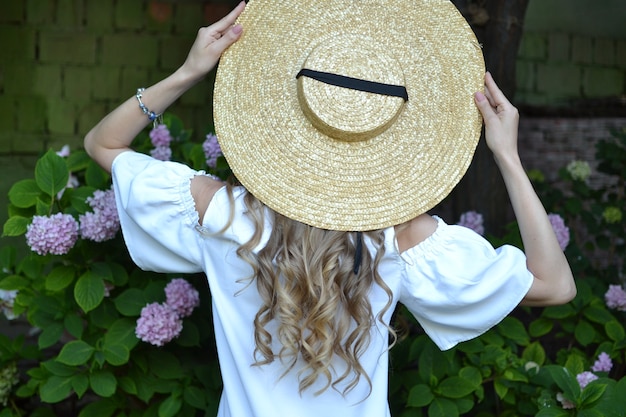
column 358, row 253
column 356, row 83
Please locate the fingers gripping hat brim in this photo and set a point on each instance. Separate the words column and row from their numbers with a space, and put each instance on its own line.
column 336, row 157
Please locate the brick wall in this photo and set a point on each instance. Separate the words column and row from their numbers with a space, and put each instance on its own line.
column 558, row 68
column 65, row 63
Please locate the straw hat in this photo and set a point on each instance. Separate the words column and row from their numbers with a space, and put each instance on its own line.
column 326, row 147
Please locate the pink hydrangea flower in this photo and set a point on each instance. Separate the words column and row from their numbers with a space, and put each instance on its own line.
column 181, row 296
column 560, row 230
column 160, row 136
column 158, row 324
column 603, row 364
column 565, row 403
column 473, row 220
column 615, row 297
column 584, row 378
column 212, row 150
column 54, row 234
column 104, row 222
column 162, row 153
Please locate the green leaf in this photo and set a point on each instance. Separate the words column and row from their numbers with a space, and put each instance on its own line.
column 615, row 330
column 60, row 278
column 597, row 314
column 420, row 396
column 456, row 387
column 103, row 383
column 75, row 353
column 540, row 327
column 131, row 301
column 55, row 389
column 100, row 408
column 80, row 384
column 559, row 312
column 78, row 198
column 472, row 375
column 51, row 173
column 574, row 364
column 57, row 368
column 500, row 388
column 189, row 336
column 14, row 282
column 50, row 335
column 121, row 333
column 584, row 332
column 564, row 380
column 165, row 365
column 534, row 352
column 171, row 406
column 127, row 384
column 89, row 291
column 96, row 177
column 196, row 397
column 74, row 325
column 16, row 226
column 513, row 329
column 442, row 407
column 24, row 193
column 592, row 393
column 116, row 355
column 77, row 161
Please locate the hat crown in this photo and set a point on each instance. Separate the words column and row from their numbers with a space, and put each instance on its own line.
column 343, row 112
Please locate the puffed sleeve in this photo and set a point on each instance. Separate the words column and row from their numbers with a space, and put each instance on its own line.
column 157, row 213
column 458, row 286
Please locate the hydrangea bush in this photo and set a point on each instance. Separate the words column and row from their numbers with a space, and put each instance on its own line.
column 112, row 340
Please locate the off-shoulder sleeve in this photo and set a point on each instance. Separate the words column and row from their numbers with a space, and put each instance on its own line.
column 157, row 213
column 458, row 286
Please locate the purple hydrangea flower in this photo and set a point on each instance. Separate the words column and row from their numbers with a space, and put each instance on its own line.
column 64, row 152
column 603, row 364
column 160, row 136
column 212, row 150
column 615, row 297
column 181, row 296
column 54, row 234
column 162, row 153
column 104, row 222
column 158, row 324
column 472, row 220
column 560, row 230
column 584, row 378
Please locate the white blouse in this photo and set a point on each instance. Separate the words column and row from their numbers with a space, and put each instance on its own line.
column 455, row 284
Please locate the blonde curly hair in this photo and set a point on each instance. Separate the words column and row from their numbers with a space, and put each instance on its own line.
column 315, row 297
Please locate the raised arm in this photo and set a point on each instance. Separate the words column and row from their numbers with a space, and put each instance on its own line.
column 114, row 134
column 553, row 283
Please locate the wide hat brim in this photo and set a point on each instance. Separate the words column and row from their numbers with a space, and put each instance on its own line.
column 310, row 175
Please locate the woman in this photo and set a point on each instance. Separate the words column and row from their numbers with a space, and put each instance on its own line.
column 303, row 286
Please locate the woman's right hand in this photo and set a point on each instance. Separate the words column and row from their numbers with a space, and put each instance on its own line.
column 210, row 43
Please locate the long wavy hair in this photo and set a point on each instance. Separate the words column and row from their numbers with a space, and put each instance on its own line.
column 315, row 298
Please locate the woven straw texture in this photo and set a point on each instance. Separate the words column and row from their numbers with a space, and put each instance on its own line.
column 338, row 158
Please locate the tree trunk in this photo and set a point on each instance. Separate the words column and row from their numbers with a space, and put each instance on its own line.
column 498, row 25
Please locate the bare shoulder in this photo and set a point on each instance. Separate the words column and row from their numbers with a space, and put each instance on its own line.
column 415, row 231
column 203, row 189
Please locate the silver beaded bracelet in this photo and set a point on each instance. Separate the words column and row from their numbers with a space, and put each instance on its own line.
column 152, row 116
